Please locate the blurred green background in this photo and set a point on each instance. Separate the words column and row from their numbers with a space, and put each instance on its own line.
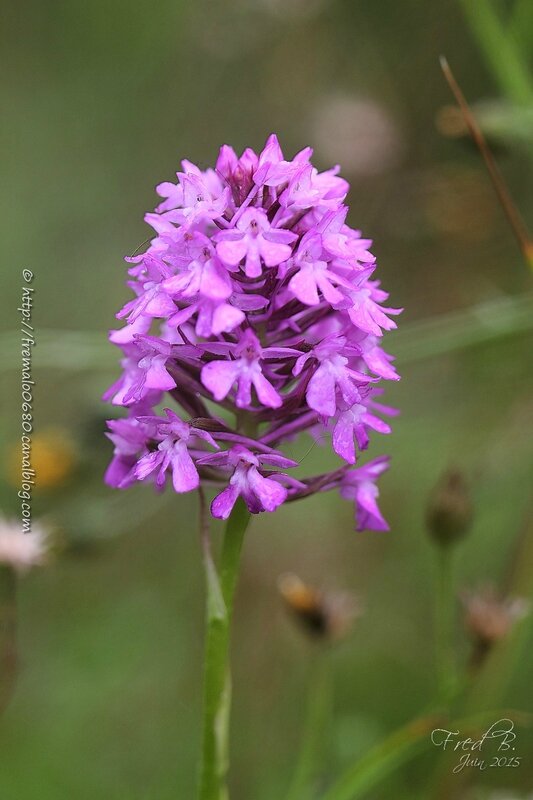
column 101, row 101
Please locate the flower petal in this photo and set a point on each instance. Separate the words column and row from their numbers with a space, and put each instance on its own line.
column 219, row 377
column 184, row 473
column 270, row 493
column 321, row 392
column 222, row 505
column 342, row 438
column 303, row 286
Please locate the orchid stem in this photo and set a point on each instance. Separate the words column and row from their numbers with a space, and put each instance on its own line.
column 315, row 731
column 220, row 588
column 444, row 625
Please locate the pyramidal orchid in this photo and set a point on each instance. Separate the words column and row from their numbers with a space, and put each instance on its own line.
column 255, row 317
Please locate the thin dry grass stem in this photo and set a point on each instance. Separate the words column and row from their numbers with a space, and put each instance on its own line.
column 513, row 215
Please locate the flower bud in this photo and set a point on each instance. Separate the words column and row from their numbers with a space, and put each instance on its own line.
column 449, row 511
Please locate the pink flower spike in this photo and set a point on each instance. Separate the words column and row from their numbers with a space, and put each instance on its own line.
column 268, row 324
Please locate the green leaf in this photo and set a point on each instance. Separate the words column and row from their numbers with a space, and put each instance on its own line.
column 384, row 759
column 216, row 607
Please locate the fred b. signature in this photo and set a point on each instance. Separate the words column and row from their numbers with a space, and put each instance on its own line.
column 494, row 748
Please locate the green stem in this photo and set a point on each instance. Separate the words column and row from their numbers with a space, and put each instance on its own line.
column 500, row 51
column 217, row 682
column 520, row 27
column 444, row 625
column 315, row 729
column 383, row 760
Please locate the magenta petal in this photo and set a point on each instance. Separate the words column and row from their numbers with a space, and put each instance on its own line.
column 331, row 294
column 265, row 391
column 215, row 282
column 376, row 423
column 321, row 392
column 378, row 361
column 157, row 376
column 280, row 236
column 219, row 377
column 160, row 305
column 244, row 389
column 373, row 469
column 222, row 505
column 369, row 516
column 225, row 318
column 173, row 194
column 117, row 473
column 277, row 460
column 226, row 161
column 303, row 286
column 253, row 267
column 126, row 334
column 273, row 253
column 233, row 251
column 249, row 302
column 270, row 493
column 184, row 473
column 148, row 464
column 342, row 438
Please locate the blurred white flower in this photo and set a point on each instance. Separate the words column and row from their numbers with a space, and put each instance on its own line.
column 358, row 133
column 22, row 551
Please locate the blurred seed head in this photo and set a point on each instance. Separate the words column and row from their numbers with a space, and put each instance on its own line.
column 323, row 615
column 357, row 133
column 53, row 457
column 21, row 551
column 449, row 511
column 489, row 618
